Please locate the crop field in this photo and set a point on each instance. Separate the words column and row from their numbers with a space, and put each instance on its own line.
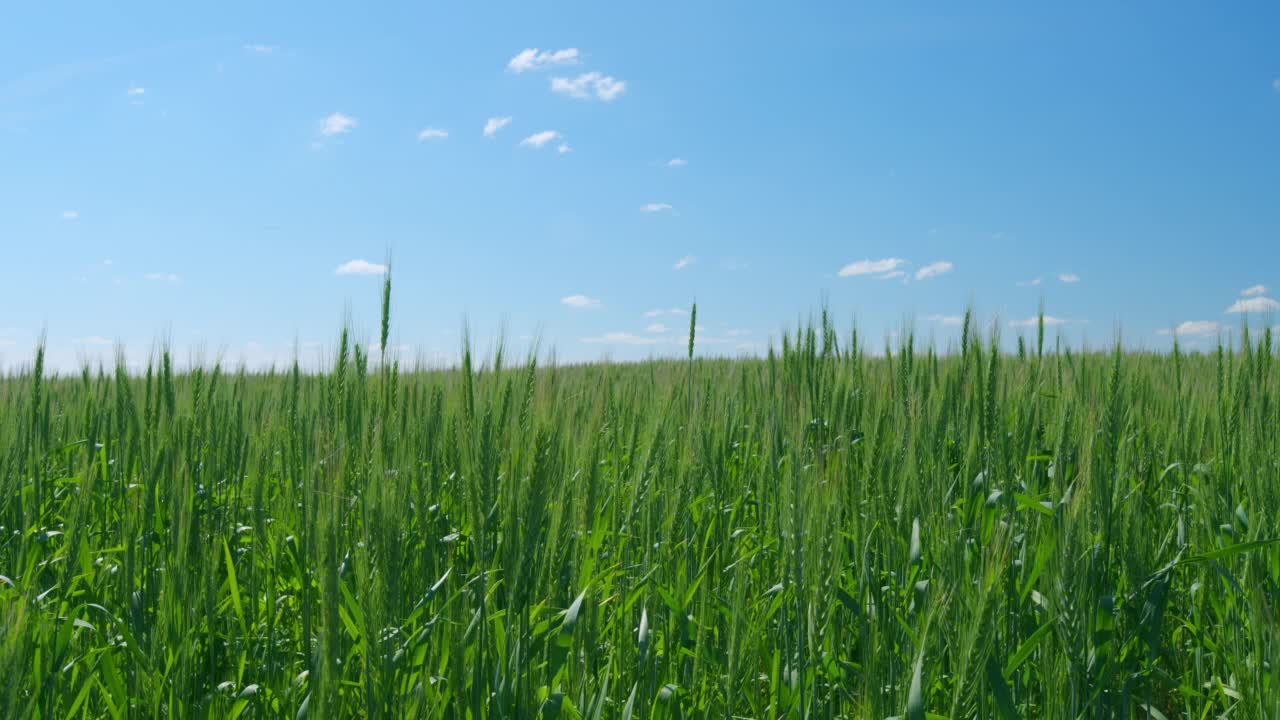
column 838, row 529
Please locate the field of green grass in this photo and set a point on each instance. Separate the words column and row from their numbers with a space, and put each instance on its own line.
column 825, row 532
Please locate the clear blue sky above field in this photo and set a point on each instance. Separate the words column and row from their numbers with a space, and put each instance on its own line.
column 576, row 171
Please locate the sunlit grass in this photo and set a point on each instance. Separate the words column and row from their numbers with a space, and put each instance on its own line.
column 819, row 533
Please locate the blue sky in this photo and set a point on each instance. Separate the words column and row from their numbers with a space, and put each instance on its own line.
column 203, row 175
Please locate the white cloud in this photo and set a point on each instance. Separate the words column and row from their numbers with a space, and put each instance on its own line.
column 337, row 124
column 1255, row 290
column 684, row 262
column 537, row 140
column 608, row 89
column 135, row 91
column 580, row 302
column 1194, row 327
column 360, row 267
column 70, row 214
column 656, row 328
column 260, row 49
column 564, row 149
column 532, row 59
column 1255, row 304
column 494, row 124
column 1068, row 278
column 950, row 320
column 1276, row 84
column 941, row 267
column 1049, row 321
column 603, row 87
column 164, row 277
column 677, row 162
column 885, row 268
column 1030, row 283
column 655, row 207
column 621, row 338
column 432, row 134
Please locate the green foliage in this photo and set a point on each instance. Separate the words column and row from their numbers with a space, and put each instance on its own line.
column 815, row 534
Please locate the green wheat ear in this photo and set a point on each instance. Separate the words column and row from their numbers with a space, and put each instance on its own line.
column 693, row 325
column 386, row 309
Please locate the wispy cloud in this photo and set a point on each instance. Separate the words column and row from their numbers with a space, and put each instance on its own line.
column 70, row 214
column 172, row 278
column 337, row 124
column 580, row 302
column 659, row 312
column 1252, row 291
column 621, row 338
column 656, row 328
column 1069, row 278
column 97, row 340
column 135, row 92
column 533, row 59
column 1256, row 304
column 655, row 207
column 260, row 49
column 587, row 85
column 494, row 124
column 941, row 267
column 1202, row 328
column 684, row 262
column 1275, row 84
column 948, row 320
column 1049, row 321
column 886, row 268
column 537, row 140
column 360, row 267
column 1030, row 283
column 677, row 162
column 564, row 148
column 432, row 134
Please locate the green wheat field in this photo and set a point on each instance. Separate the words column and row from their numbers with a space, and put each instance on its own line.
column 839, row 529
